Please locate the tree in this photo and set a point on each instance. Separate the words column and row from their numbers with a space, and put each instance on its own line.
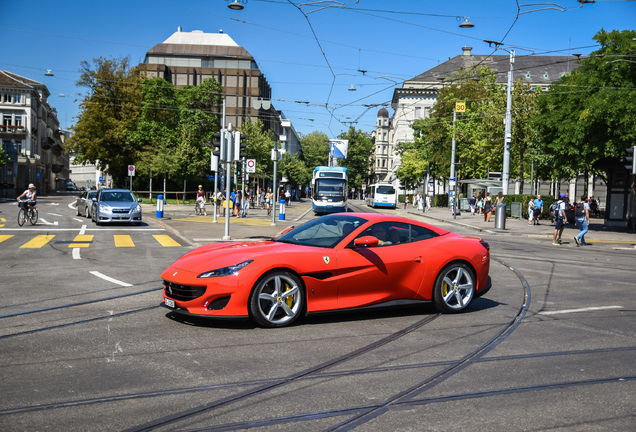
column 588, row 115
column 259, row 146
column 295, row 170
column 108, row 115
column 315, row 149
column 358, row 161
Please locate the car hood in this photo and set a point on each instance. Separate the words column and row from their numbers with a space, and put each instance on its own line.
column 221, row 255
column 119, row 204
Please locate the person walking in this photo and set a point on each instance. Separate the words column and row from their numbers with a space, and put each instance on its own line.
column 561, row 218
column 246, row 203
column 487, row 207
column 420, row 202
column 480, row 203
column 581, row 220
column 268, row 199
column 201, row 200
column 472, row 203
column 428, row 202
column 406, row 200
column 538, row 209
column 531, row 211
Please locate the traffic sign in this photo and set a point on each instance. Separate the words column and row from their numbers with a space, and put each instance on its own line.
column 460, row 107
column 250, row 165
column 131, row 170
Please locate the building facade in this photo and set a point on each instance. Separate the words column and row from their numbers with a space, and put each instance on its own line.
column 188, row 58
column 31, row 136
column 418, row 95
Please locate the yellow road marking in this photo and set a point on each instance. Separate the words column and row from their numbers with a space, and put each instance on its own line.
column 165, row 240
column 123, row 240
column 2, row 221
column 609, row 241
column 233, row 221
column 5, row 237
column 37, row 242
column 85, row 240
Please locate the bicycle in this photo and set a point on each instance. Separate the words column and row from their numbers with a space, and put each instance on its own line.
column 26, row 213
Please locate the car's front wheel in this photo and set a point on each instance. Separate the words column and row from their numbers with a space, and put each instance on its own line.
column 454, row 288
column 277, row 300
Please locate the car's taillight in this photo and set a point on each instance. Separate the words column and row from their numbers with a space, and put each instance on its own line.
column 485, row 245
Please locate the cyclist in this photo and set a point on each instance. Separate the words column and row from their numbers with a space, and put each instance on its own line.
column 29, row 195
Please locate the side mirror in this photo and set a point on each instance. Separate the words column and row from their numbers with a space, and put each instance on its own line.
column 94, row 199
column 139, row 200
column 366, row 241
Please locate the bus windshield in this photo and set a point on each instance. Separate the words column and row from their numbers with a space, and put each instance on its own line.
column 385, row 190
column 330, row 187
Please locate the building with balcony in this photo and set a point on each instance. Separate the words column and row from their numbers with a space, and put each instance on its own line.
column 31, row 136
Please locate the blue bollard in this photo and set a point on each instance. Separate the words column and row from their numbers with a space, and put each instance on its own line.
column 281, row 213
column 159, row 206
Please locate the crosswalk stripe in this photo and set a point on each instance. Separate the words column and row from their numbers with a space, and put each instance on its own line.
column 5, row 237
column 37, row 242
column 123, row 240
column 165, row 240
column 83, row 239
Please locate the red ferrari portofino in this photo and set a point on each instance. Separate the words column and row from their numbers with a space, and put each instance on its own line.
column 336, row 262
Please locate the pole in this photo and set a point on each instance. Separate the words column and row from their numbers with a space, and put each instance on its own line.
column 218, row 167
column 505, row 176
column 452, row 170
column 275, row 185
column 228, row 162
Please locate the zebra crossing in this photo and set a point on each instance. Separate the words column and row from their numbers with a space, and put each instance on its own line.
column 38, row 241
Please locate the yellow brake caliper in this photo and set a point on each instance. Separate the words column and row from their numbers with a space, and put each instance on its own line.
column 290, row 299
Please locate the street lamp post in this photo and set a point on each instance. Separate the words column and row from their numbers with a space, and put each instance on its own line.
column 505, row 175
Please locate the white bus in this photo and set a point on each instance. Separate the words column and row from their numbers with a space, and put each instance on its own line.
column 381, row 195
column 329, row 190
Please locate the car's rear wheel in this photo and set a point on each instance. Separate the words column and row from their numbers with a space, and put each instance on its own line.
column 86, row 212
column 454, row 288
column 277, row 300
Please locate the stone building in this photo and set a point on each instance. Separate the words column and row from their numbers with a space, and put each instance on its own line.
column 31, row 136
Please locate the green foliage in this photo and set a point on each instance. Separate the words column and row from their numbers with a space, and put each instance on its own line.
column 587, row 115
column 358, row 157
column 295, row 170
column 315, row 150
column 259, row 146
column 108, row 115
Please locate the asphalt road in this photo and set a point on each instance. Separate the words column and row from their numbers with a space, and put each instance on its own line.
column 85, row 345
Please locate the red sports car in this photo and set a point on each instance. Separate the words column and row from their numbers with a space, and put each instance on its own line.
column 336, row 262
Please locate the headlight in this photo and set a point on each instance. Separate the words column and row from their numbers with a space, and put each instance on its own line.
column 225, row 271
column 138, row 208
column 103, row 207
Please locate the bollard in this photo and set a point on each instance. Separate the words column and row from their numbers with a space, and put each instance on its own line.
column 281, row 213
column 500, row 217
column 159, row 206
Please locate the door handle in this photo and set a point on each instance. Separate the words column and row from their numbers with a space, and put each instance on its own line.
column 418, row 259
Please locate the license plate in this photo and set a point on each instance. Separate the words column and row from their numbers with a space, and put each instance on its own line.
column 169, row 303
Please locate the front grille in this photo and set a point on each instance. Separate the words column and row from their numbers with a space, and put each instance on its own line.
column 121, row 211
column 182, row 292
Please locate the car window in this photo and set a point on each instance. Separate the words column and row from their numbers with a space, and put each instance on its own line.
column 388, row 233
column 419, row 233
column 325, row 231
column 117, row 197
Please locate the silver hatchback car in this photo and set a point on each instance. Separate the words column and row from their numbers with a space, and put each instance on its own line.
column 84, row 203
column 116, row 205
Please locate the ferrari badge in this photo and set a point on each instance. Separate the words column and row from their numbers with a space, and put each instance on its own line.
column 326, row 258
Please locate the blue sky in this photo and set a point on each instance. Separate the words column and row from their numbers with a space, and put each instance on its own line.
column 310, row 57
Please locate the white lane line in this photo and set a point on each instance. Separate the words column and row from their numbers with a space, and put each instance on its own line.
column 77, row 219
column 76, row 253
column 83, row 230
column 587, row 309
column 110, row 279
column 71, row 205
column 55, row 214
column 45, row 222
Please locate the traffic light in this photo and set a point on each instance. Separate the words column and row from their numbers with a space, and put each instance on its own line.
column 239, row 145
column 219, row 145
column 631, row 159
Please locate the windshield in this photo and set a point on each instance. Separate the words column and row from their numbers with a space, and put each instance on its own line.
column 328, row 187
column 385, row 190
column 117, row 197
column 325, row 231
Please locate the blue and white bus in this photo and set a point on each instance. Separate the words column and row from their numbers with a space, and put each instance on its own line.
column 381, row 195
column 329, row 189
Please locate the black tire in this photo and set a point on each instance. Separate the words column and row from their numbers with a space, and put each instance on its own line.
column 77, row 210
column 454, row 288
column 86, row 212
column 34, row 216
column 21, row 217
column 277, row 299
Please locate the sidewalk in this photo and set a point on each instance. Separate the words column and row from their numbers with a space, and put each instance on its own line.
column 598, row 233
column 258, row 225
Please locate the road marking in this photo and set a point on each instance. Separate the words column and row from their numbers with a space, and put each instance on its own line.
column 165, row 240
column 2, row 221
column 75, row 229
column 5, row 237
column 37, row 242
column 233, row 221
column 587, row 309
column 54, row 214
column 110, row 279
column 123, row 240
column 82, row 241
column 77, row 219
column 45, row 222
column 76, row 253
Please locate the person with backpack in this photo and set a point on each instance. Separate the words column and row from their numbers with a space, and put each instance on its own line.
column 582, row 220
column 561, row 218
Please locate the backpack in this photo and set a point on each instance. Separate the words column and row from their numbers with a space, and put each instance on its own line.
column 579, row 210
column 557, row 209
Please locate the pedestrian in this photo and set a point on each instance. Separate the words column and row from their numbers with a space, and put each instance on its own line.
column 420, row 202
column 561, row 218
column 246, row 203
column 201, row 200
column 487, row 207
column 480, row 203
column 293, row 192
column 269, row 199
column 531, row 211
column 538, row 209
column 288, row 197
column 406, row 200
column 218, row 200
column 500, row 199
column 582, row 220
column 428, row 202
column 472, row 203
column 238, row 203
